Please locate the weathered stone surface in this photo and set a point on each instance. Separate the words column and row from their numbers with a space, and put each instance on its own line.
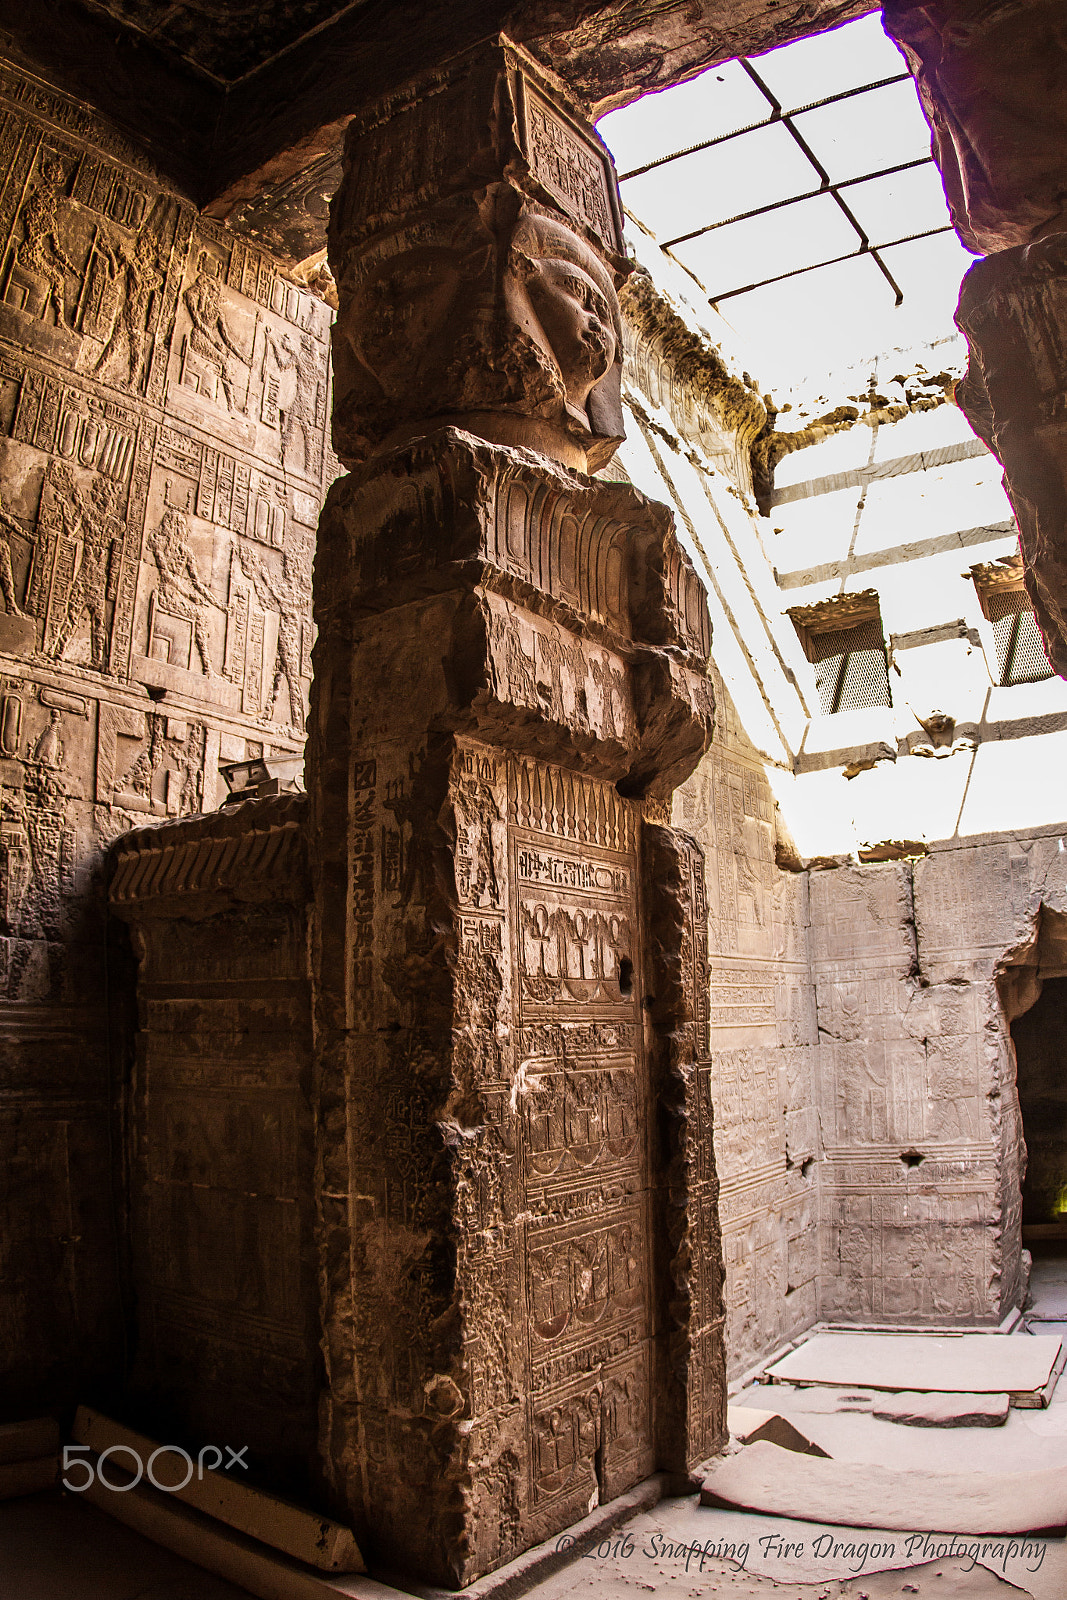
column 510, row 658
column 850, row 1494
column 1011, row 308
column 29, row 1441
column 691, row 1380
column 163, row 454
column 27, row 1477
column 761, row 1073
column 916, row 1410
column 476, row 240
column 751, row 1426
column 222, row 1205
column 476, row 871
column 315, row 1540
column 992, row 82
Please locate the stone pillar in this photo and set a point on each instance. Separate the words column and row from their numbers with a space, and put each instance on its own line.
column 993, row 83
column 510, row 670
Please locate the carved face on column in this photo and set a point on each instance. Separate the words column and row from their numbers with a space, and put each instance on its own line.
column 560, row 295
column 510, row 329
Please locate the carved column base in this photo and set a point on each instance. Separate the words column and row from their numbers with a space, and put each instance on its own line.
column 1013, row 312
column 510, row 659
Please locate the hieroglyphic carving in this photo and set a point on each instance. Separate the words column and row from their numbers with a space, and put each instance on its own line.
column 572, row 167
column 553, row 800
column 364, row 788
column 573, row 879
column 94, row 257
column 180, row 594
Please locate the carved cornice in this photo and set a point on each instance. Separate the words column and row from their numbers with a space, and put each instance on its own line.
column 251, row 852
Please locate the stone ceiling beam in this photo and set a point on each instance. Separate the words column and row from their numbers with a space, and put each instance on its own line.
column 260, row 152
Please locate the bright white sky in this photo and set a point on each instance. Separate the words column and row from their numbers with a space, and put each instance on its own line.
column 837, row 314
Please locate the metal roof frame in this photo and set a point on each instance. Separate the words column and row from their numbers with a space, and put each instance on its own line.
column 826, row 185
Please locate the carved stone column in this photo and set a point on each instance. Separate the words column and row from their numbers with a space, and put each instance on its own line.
column 993, row 83
column 511, row 666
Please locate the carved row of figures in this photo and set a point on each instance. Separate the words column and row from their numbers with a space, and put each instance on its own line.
column 73, row 773
column 107, row 276
column 62, row 586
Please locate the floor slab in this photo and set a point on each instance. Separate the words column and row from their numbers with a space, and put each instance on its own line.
column 972, row 1363
column 763, row 1477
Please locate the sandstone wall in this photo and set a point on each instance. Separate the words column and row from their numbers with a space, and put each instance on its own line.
column 922, row 1141
column 163, row 408
column 763, row 1049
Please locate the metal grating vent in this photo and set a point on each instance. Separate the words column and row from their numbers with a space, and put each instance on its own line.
column 1021, row 654
column 850, row 667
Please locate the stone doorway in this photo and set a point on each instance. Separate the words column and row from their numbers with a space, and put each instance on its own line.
column 1040, row 1043
column 1033, row 993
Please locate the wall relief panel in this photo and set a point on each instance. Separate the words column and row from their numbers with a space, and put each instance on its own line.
column 159, row 492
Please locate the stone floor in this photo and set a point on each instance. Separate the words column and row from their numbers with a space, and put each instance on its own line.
column 53, row 1547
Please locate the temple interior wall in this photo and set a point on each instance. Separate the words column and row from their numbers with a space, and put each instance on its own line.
column 163, row 420
column 163, row 449
column 867, row 1130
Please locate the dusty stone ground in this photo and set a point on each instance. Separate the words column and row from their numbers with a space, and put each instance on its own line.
column 54, row 1546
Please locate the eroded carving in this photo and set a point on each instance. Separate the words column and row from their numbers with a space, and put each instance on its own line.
column 504, row 297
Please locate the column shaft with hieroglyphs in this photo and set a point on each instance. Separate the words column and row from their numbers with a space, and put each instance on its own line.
column 511, row 665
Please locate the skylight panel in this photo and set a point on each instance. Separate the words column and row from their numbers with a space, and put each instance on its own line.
column 710, row 185
column 793, row 198
column 830, row 62
column 867, row 132
column 721, row 100
column 929, row 273
column 750, row 252
column 897, row 206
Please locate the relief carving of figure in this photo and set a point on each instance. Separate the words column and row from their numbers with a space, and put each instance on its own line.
column 40, row 251
column 7, row 577
column 87, row 526
column 611, row 683
column 556, row 652
column 274, row 596
column 181, row 591
column 140, row 280
column 210, row 339
column 301, row 414
column 562, row 300
column 476, row 811
column 509, row 329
